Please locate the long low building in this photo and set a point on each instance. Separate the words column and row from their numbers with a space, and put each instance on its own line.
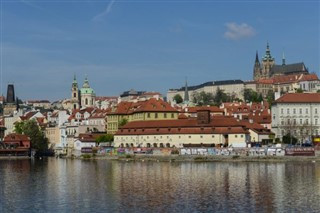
column 230, row 87
column 201, row 131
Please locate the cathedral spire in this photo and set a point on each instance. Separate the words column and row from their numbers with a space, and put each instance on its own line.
column 186, row 93
column 268, row 54
column 257, row 57
column 283, row 59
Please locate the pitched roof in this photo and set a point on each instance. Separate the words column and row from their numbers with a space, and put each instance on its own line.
column 299, row 98
column 15, row 137
column 288, row 68
column 150, row 105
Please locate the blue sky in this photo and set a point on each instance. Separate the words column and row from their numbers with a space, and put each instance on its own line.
column 149, row 45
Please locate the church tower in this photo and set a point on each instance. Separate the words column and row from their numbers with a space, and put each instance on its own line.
column 88, row 95
column 267, row 63
column 75, row 96
column 186, row 93
column 10, row 105
column 256, row 68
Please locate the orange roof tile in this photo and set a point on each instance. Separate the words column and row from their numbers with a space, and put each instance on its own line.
column 299, row 98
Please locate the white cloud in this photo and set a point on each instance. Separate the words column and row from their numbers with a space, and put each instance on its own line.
column 239, row 31
column 105, row 12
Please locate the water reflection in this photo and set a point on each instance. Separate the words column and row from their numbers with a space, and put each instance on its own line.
column 64, row 185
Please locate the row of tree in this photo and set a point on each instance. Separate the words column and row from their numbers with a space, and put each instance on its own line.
column 206, row 98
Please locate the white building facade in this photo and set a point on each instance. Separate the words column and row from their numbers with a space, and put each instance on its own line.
column 297, row 114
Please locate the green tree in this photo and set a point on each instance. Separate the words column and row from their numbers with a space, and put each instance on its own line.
column 177, row 98
column 299, row 90
column 32, row 130
column 251, row 96
column 221, row 97
column 289, row 139
column 270, row 98
column 123, row 122
column 105, row 138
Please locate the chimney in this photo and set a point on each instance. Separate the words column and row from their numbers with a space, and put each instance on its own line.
column 203, row 116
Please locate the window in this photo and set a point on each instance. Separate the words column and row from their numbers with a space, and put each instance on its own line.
column 316, row 111
column 189, row 136
column 300, row 111
column 307, row 121
column 236, row 136
column 281, row 111
column 316, row 121
column 165, row 115
column 148, row 115
column 241, row 136
column 288, row 111
column 172, row 115
column 212, row 136
column 201, row 136
column 294, row 121
column 300, row 121
column 307, row 111
column 156, row 115
column 294, row 111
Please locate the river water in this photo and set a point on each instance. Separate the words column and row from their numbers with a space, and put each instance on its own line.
column 66, row 185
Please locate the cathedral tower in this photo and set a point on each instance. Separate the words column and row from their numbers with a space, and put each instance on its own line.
column 256, row 68
column 267, row 63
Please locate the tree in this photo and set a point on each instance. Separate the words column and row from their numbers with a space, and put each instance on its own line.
column 270, row 98
column 178, row 99
column 289, row 139
column 123, row 122
column 251, row 96
column 105, row 138
column 220, row 97
column 32, row 130
column 299, row 90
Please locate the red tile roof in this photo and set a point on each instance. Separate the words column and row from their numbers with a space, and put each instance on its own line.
column 299, row 98
column 150, row 105
column 13, row 137
column 218, row 125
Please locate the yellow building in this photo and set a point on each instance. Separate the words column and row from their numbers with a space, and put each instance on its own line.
column 203, row 130
column 151, row 109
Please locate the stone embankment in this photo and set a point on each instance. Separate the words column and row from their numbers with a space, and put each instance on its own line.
column 209, row 158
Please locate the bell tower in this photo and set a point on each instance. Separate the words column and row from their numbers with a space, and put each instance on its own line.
column 75, row 94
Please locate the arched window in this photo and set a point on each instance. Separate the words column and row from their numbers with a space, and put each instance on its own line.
column 155, row 145
column 168, row 145
column 86, row 101
column 148, row 145
column 161, row 145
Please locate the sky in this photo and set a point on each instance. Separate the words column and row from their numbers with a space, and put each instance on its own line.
column 148, row 45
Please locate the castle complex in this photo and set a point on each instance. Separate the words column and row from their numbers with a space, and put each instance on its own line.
column 268, row 68
column 268, row 77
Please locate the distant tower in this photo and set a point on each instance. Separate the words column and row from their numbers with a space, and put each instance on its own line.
column 10, row 94
column 267, row 63
column 186, row 93
column 283, row 59
column 75, row 94
column 87, row 94
column 256, row 68
column 10, row 105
